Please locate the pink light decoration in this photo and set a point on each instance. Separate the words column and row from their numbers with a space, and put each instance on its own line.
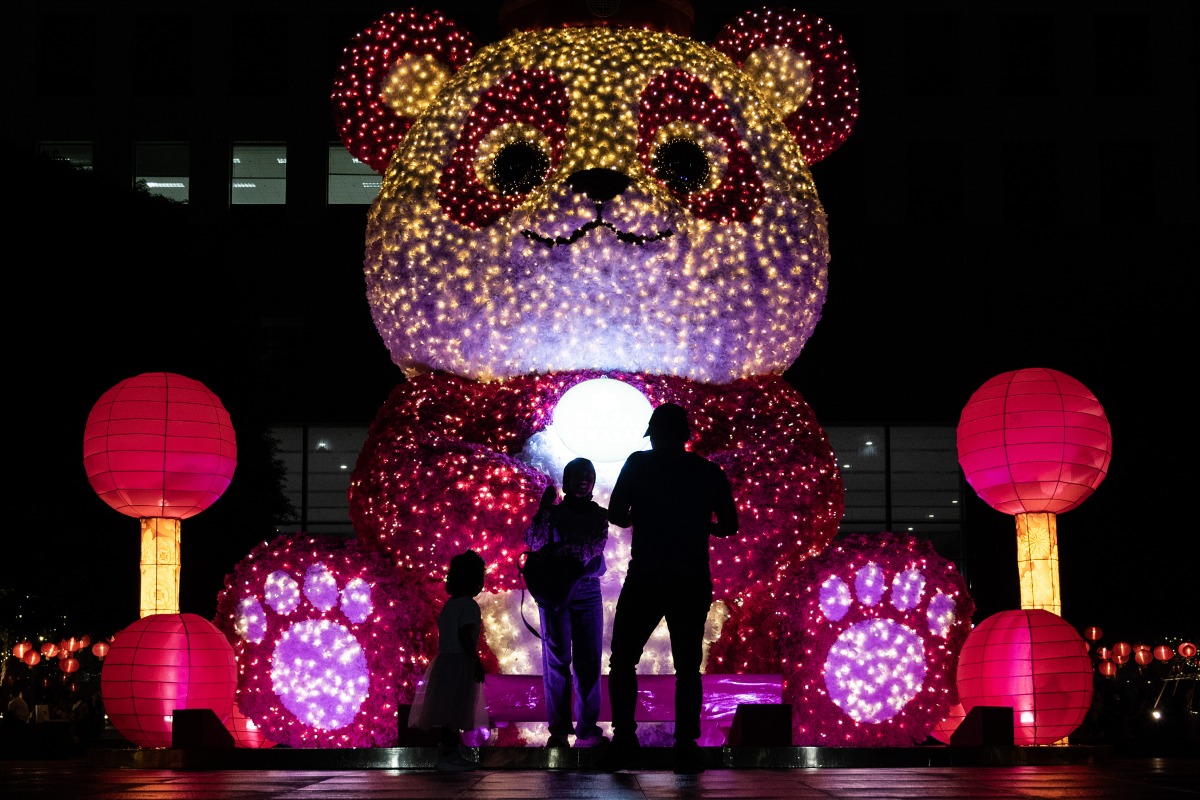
column 164, row 662
column 867, row 639
column 159, row 445
column 1034, row 440
column 1034, row 662
column 330, row 638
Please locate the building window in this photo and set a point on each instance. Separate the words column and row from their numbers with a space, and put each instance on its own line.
column 77, row 154
column 162, row 169
column 258, row 175
column 351, row 182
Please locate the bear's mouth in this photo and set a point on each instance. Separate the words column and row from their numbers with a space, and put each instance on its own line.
column 623, row 236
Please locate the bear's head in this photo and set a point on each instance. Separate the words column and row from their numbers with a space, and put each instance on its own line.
column 599, row 197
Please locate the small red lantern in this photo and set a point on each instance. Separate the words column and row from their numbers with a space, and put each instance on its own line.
column 1035, row 663
column 32, row 658
column 1143, row 657
column 100, row 649
column 1107, row 668
column 1164, row 652
column 84, row 641
column 1117, row 658
column 69, row 664
column 1122, row 649
column 1092, row 634
column 1103, row 653
column 1187, row 650
column 50, row 650
column 21, row 648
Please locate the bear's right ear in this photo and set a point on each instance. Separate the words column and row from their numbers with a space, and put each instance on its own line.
column 389, row 74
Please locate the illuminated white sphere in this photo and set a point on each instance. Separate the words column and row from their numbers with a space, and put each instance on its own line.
column 602, row 419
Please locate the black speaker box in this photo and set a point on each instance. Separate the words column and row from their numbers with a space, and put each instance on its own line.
column 985, row 726
column 198, row 727
column 761, row 725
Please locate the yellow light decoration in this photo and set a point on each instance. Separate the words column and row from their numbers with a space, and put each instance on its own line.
column 160, row 566
column 715, row 284
column 1037, row 561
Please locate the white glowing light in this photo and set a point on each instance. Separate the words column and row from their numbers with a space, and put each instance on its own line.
column 602, row 419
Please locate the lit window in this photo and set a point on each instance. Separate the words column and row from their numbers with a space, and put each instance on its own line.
column 162, row 169
column 351, row 182
column 77, row 154
column 258, row 175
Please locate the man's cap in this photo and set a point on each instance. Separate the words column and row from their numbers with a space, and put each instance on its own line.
column 669, row 419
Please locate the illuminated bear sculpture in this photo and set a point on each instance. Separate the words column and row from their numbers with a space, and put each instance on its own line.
column 578, row 222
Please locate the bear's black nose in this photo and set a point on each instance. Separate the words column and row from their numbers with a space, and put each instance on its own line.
column 599, row 184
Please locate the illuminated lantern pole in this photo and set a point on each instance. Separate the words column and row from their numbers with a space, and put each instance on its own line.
column 1034, row 443
column 159, row 447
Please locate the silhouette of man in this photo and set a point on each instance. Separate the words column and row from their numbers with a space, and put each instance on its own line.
column 674, row 500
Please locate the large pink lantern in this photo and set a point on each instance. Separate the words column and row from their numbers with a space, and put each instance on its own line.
column 1034, row 662
column 159, row 447
column 161, row 663
column 1034, row 443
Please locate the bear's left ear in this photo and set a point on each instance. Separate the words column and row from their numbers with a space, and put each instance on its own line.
column 801, row 65
column 390, row 73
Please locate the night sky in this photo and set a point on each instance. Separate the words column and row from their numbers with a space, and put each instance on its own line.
column 951, row 263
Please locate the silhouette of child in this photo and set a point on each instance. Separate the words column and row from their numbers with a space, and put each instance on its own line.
column 451, row 698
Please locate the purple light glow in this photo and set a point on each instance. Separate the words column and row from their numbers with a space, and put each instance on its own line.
column 874, row 669
column 319, row 672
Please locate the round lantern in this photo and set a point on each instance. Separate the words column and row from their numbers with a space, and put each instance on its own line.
column 100, row 649
column 1122, row 649
column 69, row 664
column 1120, row 658
column 159, row 445
column 32, row 658
column 49, row 649
column 1033, row 662
column 21, row 648
column 1034, row 440
column 946, row 728
column 1092, row 634
column 1107, row 668
column 245, row 732
column 1142, row 657
column 1164, row 652
column 1103, row 653
column 1187, row 649
column 161, row 663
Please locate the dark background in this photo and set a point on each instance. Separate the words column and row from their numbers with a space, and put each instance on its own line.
column 1028, row 203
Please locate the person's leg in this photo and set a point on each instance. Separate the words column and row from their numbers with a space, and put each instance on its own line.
column 686, row 618
column 639, row 609
column 556, row 671
column 587, row 636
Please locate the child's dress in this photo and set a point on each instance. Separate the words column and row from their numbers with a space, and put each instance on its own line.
column 448, row 696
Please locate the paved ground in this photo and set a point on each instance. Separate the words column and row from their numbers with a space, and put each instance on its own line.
column 80, row 778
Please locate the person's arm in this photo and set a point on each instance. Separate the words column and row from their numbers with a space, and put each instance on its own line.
column 620, row 499
column 724, row 507
column 468, row 637
column 540, row 530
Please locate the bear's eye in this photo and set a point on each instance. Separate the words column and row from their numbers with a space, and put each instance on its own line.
column 518, row 168
column 682, row 165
